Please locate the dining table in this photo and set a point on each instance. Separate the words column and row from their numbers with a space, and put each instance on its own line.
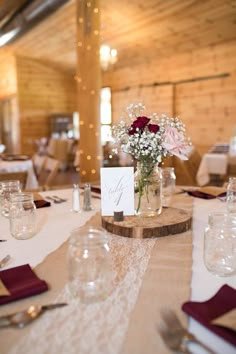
column 148, row 275
column 16, row 165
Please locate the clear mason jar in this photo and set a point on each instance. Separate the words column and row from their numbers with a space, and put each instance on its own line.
column 22, row 215
column 220, row 244
column 6, row 189
column 168, row 185
column 231, row 195
column 148, row 190
column 89, row 264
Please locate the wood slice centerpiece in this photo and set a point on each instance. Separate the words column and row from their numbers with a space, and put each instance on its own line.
column 171, row 221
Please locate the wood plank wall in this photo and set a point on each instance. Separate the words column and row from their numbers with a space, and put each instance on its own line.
column 42, row 91
column 199, row 87
column 153, row 97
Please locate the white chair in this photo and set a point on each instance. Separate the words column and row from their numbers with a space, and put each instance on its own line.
column 48, row 172
column 38, row 161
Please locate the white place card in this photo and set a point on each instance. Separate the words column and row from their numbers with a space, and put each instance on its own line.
column 117, row 190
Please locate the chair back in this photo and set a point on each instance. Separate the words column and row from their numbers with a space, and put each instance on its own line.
column 38, row 161
column 21, row 176
column 186, row 171
column 48, row 172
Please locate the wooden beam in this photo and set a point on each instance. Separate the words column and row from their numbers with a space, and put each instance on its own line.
column 89, row 86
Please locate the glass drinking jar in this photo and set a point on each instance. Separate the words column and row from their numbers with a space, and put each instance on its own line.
column 22, row 215
column 6, row 189
column 168, row 185
column 148, row 189
column 220, row 244
column 231, row 195
column 89, row 264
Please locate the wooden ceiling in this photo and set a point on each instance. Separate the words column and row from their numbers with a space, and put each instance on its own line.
column 139, row 29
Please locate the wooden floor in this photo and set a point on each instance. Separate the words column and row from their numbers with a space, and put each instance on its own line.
column 66, row 178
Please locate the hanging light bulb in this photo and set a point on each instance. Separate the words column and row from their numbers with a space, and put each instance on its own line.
column 108, row 56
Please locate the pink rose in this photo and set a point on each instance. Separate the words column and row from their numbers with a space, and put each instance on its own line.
column 175, row 143
column 139, row 123
column 153, row 128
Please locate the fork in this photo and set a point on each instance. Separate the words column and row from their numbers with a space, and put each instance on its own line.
column 54, row 200
column 175, row 336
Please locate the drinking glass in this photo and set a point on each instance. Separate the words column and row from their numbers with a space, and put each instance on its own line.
column 168, row 185
column 231, row 195
column 22, row 215
column 6, row 189
column 89, row 264
column 220, row 244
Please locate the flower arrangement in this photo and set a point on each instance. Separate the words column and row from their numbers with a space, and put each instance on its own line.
column 149, row 140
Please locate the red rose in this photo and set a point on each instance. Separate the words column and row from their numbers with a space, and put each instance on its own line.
column 139, row 123
column 153, row 128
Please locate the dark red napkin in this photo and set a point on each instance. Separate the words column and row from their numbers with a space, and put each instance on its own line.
column 204, row 312
column 96, row 189
column 199, row 194
column 21, row 282
column 41, row 203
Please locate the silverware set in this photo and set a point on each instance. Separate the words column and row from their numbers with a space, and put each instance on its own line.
column 176, row 337
column 56, row 199
column 23, row 318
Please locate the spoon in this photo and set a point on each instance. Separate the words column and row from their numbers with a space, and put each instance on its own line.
column 22, row 318
column 4, row 261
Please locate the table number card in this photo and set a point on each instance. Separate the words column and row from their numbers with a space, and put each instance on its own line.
column 117, row 190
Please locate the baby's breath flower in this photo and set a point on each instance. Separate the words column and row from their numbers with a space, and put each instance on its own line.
column 145, row 137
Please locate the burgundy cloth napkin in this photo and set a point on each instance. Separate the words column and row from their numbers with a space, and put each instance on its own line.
column 41, row 203
column 21, row 282
column 96, row 189
column 204, row 312
column 199, row 194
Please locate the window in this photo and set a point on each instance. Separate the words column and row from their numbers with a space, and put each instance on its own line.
column 105, row 111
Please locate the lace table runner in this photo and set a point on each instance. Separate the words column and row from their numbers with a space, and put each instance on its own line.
column 96, row 328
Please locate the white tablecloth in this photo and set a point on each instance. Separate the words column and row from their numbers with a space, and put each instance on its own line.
column 211, row 164
column 54, row 225
column 17, row 166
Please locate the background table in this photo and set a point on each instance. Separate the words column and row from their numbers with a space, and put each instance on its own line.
column 17, row 166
